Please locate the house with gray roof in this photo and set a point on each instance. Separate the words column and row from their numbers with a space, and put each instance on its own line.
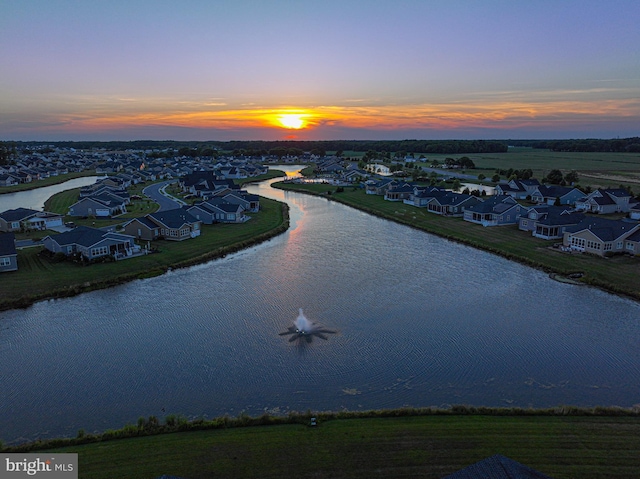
column 497, row 467
column 549, row 222
column 176, row 224
column 11, row 220
column 599, row 236
column 606, row 201
column 518, row 189
column 496, row 211
column 8, row 253
column 452, row 204
column 564, row 195
column 92, row 243
column 102, row 206
column 142, row 228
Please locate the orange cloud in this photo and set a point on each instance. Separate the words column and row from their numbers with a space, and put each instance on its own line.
column 494, row 112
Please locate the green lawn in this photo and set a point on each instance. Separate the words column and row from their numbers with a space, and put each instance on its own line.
column 39, row 278
column 416, row 446
column 53, row 180
column 617, row 274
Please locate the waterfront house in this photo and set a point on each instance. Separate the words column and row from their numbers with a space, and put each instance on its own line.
column 399, row 192
column 8, row 253
column 226, row 212
column 422, row 196
column 380, row 187
column 8, row 180
column 91, row 243
column 549, row 222
column 142, row 228
column 248, row 201
column 452, row 204
column 495, row 211
column 599, row 236
column 176, row 224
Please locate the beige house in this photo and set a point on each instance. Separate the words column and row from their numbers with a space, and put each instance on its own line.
column 602, row 236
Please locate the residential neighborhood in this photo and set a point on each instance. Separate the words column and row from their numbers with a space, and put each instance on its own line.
column 546, row 211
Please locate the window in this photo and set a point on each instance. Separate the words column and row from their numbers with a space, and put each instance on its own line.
column 631, row 246
column 525, row 222
column 5, row 261
column 15, row 225
column 100, row 251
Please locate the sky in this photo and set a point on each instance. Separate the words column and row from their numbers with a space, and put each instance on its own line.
column 319, row 70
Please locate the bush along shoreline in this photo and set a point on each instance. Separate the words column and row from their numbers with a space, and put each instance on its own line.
column 206, row 255
column 153, row 426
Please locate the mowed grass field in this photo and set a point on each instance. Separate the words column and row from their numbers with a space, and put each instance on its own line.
column 38, row 277
column 416, row 446
column 617, row 274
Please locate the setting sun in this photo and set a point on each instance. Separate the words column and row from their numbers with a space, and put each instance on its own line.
column 293, row 121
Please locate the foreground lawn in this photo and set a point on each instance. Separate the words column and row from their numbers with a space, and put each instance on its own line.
column 418, row 446
column 618, row 274
column 40, row 278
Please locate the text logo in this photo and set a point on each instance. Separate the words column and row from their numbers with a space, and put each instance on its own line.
column 46, row 466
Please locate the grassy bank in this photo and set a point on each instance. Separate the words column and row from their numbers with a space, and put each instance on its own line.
column 52, row 180
column 39, row 278
column 618, row 274
column 376, row 444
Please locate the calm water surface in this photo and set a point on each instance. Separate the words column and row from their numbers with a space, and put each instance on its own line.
column 35, row 199
column 421, row 321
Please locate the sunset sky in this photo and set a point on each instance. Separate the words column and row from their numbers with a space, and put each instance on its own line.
column 297, row 69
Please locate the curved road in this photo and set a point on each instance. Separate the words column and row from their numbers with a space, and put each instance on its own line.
column 156, row 193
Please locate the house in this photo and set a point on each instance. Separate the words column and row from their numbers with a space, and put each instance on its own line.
column 248, row 201
column 632, row 243
column 43, row 220
column 495, row 211
column 176, row 224
column 142, row 229
column 8, row 180
column 421, row 197
column 399, row 192
column 11, row 220
column 564, row 195
column 91, row 243
column 226, row 212
column 452, row 204
column 8, row 253
column 380, row 187
column 599, row 236
column 100, row 206
column 634, row 212
column 606, row 201
column 549, row 222
column 518, row 189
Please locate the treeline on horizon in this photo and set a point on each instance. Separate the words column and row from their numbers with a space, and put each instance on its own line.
column 618, row 145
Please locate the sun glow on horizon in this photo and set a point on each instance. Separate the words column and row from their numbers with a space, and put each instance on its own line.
column 292, row 121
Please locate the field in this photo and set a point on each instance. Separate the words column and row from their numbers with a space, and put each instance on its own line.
column 417, row 446
column 594, row 169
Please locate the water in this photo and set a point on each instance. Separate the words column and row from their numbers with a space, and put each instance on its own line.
column 419, row 321
column 34, row 199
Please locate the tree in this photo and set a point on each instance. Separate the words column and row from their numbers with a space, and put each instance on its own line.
column 456, row 184
column 495, row 178
column 571, row 177
column 481, row 177
column 554, row 177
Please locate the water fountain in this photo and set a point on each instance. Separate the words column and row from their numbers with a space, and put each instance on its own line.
column 304, row 329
